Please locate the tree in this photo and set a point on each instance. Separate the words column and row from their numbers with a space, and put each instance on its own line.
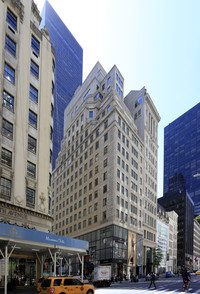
column 157, row 256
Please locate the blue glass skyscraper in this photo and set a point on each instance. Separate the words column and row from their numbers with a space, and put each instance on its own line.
column 68, row 71
column 182, row 155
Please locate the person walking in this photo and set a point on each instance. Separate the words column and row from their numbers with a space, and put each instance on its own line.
column 153, row 278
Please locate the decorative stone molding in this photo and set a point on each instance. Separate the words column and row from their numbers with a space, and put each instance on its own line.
column 10, row 209
column 36, row 11
column 19, row 200
column 41, row 204
column 45, row 32
column 35, row 30
column 20, row 7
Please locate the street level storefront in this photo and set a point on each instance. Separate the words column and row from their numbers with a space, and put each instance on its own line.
column 28, row 254
column 115, row 246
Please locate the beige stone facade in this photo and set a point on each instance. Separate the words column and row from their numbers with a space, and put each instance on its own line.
column 196, row 247
column 146, row 118
column 26, row 122
column 98, row 182
column 173, row 235
column 167, row 230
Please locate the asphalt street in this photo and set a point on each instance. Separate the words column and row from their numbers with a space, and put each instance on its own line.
column 163, row 286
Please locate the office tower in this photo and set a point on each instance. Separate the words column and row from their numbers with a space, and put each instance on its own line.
column 182, row 154
column 183, row 205
column 68, row 72
column 26, row 123
column 146, row 118
column 98, row 180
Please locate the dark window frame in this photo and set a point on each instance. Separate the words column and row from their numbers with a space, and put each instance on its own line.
column 8, row 101
column 32, row 118
column 32, row 144
column 31, row 170
column 30, row 196
column 9, row 73
column 6, row 157
column 11, row 19
column 35, row 44
column 7, row 129
column 5, row 187
column 10, row 45
column 33, row 93
column 34, row 68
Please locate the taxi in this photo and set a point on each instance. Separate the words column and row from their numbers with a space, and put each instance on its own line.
column 65, row 285
column 39, row 283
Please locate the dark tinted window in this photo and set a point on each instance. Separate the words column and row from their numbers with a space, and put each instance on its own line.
column 68, row 282
column 57, row 282
column 76, row 282
column 46, row 283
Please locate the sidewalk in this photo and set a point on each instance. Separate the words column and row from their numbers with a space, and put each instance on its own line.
column 22, row 290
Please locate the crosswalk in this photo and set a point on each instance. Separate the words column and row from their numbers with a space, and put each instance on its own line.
column 142, row 291
column 159, row 290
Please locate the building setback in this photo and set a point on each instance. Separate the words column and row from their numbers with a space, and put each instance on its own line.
column 182, row 153
column 68, row 73
column 98, row 181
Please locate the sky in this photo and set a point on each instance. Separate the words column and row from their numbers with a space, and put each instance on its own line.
column 154, row 43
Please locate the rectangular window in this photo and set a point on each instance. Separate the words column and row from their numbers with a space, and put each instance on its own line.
column 8, row 101
column 31, row 169
column 34, row 69
column 7, row 129
column 33, row 94
column 9, row 73
column 5, row 187
column 91, row 114
column 32, row 144
column 51, row 157
column 52, row 110
column 11, row 19
column 32, row 119
column 30, row 196
column 35, row 44
column 51, row 133
column 10, row 46
column 6, row 157
column 105, row 137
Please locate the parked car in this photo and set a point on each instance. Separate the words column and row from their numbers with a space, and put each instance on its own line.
column 197, row 272
column 65, row 285
column 169, row 275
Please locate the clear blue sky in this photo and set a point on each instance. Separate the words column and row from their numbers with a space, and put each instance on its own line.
column 154, row 43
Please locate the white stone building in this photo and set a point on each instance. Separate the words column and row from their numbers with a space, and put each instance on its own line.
column 98, row 182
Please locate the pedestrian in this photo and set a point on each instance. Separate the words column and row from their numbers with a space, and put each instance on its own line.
column 153, row 277
column 13, row 285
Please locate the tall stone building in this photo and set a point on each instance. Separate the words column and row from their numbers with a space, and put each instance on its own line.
column 146, row 118
column 98, row 182
column 26, row 121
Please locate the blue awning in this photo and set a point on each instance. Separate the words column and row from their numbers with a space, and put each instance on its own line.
column 9, row 231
